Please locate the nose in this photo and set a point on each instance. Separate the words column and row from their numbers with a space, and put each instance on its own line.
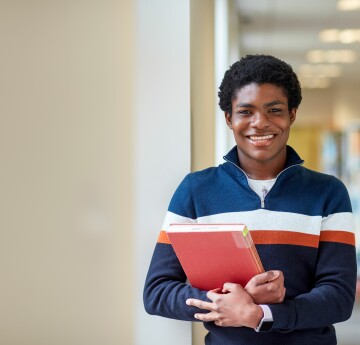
column 260, row 120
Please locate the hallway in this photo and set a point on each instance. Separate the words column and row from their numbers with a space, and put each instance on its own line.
column 348, row 333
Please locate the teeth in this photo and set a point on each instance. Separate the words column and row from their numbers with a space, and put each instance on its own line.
column 261, row 137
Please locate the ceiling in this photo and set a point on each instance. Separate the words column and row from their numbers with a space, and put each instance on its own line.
column 289, row 29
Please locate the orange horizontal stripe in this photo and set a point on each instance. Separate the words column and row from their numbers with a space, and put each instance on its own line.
column 338, row 236
column 284, row 237
column 163, row 237
column 289, row 237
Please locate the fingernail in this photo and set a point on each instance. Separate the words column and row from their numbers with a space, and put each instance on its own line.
column 275, row 273
column 196, row 316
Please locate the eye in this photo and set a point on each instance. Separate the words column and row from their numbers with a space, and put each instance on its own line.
column 244, row 112
column 275, row 110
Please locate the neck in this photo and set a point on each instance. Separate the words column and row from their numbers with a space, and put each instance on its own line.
column 262, row 170
column 260, row 175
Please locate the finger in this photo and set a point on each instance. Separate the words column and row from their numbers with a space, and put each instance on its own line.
column 200, row 304
column 274, row 275
column 275, row 285
column 224, row 291
column 205, row 317
column 230, row 287
column 264, row 278
column 213, row 294
column 220, row 323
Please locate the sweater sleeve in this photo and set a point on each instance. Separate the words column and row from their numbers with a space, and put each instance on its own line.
column 166, row 290
column 332, row 298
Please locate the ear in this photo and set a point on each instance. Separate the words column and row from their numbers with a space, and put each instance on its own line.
column 228, row 120
column 293, row 115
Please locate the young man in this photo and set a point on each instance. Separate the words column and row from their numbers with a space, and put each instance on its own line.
column 301, row 223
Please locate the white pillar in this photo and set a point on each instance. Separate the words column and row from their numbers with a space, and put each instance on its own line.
column 162, row 144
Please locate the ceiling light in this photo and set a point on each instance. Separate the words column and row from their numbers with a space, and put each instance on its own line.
column 348, row 5
column 320, row 71
column 331, row 56
column 315, row 83
column 343, row 36
column 315, row 56
column 348, row 36
column 330, row 35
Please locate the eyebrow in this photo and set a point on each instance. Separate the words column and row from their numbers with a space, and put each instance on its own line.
column 266, row 105
column 270, row 104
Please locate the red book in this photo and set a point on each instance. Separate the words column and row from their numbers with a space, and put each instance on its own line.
column 214, row 254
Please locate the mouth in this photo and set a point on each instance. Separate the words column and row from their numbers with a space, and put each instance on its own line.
column 261, row 140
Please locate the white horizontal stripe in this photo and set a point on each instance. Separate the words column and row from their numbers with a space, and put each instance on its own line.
column 206, row 227
column 171, row 218
column 269, row 220
column 339, row 221
column 272, row 220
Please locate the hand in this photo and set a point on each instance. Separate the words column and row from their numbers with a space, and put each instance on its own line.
column 267, row 287
column 230, row 307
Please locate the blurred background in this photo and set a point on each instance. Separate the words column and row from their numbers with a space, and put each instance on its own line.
column 105, row 106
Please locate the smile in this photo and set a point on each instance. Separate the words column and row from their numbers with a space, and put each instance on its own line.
column 259, row 138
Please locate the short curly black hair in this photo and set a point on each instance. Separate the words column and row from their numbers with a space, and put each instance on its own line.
column 259, row 69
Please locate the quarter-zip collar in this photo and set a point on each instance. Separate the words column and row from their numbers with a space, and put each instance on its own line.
column 292, row 160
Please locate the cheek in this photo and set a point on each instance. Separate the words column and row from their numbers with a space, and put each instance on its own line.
column 284, row 137
column 283, row 124
column 239, row 124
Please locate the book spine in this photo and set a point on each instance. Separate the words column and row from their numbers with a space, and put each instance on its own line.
column 253, row 250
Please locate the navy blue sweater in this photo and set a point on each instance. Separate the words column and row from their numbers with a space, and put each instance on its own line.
column 304, row 228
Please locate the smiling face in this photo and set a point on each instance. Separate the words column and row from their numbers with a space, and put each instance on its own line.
column 260, row 122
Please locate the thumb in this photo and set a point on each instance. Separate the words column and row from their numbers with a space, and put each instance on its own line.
column 266, row 277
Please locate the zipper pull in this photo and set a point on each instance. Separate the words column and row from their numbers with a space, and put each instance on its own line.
column 264, row 192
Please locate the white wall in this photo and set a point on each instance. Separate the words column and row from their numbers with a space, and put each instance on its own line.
column 202, row 100
column 162, row 145
column 226, row 53
column 94, row 136
column 64, row 247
